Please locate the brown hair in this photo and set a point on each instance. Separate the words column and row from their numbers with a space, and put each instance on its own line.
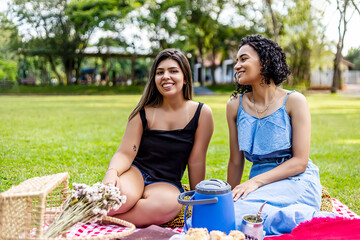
column 151, row 95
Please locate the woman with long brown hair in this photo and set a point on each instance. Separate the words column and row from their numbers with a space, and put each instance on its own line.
column 166, row 132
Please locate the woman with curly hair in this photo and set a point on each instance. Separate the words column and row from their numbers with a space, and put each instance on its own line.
column 270, row 127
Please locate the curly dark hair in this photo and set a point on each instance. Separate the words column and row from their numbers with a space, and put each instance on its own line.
column 272, row 61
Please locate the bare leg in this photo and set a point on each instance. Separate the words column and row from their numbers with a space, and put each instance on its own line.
column 157, row 206
column 131, row 184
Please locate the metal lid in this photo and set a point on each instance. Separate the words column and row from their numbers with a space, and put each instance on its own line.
column 213, row 187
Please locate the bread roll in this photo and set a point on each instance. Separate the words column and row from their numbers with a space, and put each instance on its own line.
column 237, row 235
column 228, row 237
column 216, row 235
column 197, row 234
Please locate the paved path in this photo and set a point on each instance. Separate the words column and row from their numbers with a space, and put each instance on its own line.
column 351, row 89
column 203, row 91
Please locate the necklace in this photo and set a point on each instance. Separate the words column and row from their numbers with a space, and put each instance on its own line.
column 259, row 113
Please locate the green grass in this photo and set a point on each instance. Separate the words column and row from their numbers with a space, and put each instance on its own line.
column 42, row 135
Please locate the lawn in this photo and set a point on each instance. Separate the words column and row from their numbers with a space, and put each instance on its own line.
column 42, row 135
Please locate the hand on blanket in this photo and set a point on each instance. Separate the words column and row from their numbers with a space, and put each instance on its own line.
column 243, row 189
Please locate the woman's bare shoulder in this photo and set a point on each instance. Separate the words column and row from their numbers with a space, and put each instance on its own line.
column 296, row 98
column 233, row 103
column 296, row 104
column 206, row 109
column 135, row 120
column 206, row 119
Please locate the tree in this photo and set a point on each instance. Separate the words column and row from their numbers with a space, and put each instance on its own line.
column 87, row 15
column 175, row 23
column 59, row 29
column 206, row 35
column 9, row 43
column 353, row 56
column 293, row 24
column 343, row 8
column 299, row 29
column 192, row 26
column 274, row 19
column 159, row 20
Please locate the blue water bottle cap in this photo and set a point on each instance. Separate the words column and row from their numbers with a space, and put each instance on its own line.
column 213, row 187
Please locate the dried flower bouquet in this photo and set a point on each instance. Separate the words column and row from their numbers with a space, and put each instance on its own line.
column 86, row 204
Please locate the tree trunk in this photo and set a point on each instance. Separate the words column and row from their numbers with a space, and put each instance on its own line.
column 133, row 70
column 307, row 68
column 110, row 78
column 304, row 64
column 275, row 23
column 337, row 73
column 213, row 67
column 44, row 76
column 199, row 46
column 294, row 67
column 78, row 69
column 53, row 68
column 69, row 66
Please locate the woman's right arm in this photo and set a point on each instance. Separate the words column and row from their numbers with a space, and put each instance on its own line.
column 125, row 154
column 236, row 160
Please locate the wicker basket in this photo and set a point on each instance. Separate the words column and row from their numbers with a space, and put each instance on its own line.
column 27, row 207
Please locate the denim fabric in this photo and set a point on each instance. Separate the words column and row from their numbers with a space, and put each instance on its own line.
column 148, row 180
column 290, row 201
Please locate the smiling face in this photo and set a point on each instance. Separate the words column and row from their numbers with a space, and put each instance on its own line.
column 169, row 78
column 248, row 66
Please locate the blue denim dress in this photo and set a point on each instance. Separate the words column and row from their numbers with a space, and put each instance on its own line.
column 266, row 142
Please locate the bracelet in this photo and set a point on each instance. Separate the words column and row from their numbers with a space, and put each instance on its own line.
column 117, row 173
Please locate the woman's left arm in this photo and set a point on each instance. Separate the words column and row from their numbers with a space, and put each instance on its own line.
column 299, row 113
column 197, row 159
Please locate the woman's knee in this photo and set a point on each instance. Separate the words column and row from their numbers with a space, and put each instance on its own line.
column 131, row 184
column 163, row 208
column 162, row 213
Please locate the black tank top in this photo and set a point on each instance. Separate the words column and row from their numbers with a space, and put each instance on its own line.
column 162, row 154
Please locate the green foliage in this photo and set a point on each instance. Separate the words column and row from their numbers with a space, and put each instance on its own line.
column 302, row 37
column 99, row 13
column 299, row 27
column 353, row 56
column 194, row 27
column 8, row 70
column 79, row 134
column 9, row 42
column 160, row 22
column 207, row 36
column 59, row 29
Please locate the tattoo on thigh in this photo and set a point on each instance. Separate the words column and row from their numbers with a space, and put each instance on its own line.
column 134, row 148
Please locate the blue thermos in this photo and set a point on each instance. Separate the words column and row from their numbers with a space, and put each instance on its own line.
column 213, row 206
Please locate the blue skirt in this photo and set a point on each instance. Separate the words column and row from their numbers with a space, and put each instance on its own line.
column 289, row 201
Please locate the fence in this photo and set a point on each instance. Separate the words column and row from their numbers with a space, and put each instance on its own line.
column 324, row 79
column 352, row 77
